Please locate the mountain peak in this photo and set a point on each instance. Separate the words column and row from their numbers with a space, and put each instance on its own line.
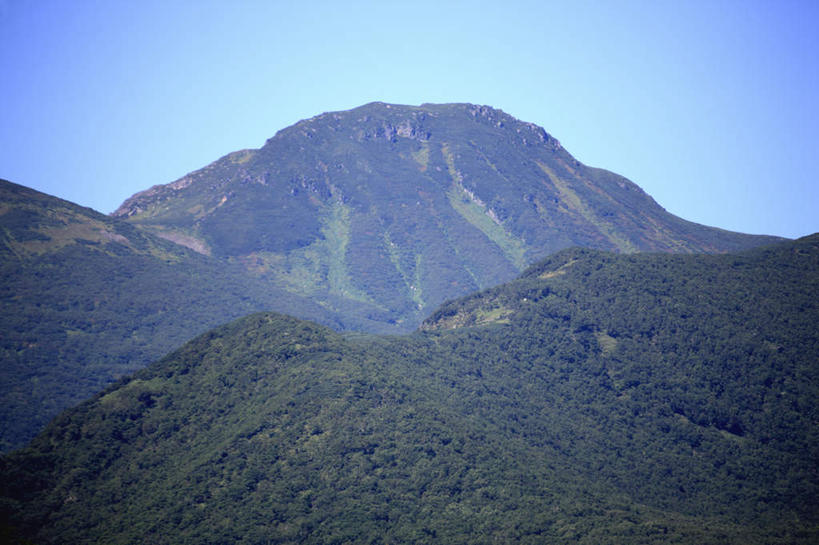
column 399, row 120
column 399, row 207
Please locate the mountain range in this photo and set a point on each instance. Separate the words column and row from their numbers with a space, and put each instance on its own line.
column 361, row 220
column 598, row 398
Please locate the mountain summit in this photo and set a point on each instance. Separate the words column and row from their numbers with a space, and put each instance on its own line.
column 384, row 211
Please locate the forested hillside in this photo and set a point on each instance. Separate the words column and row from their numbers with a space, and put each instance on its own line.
column 85, row 299
column 599, row 398
column 363, row 220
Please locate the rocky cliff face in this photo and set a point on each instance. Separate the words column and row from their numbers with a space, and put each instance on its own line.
column 401, row 207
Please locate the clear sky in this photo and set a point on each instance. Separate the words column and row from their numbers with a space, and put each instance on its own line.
column 712, row 107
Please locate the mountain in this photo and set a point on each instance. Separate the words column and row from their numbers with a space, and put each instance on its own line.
column 85, row 299
column 599, row 398
column 362, row 220
column 398, row 208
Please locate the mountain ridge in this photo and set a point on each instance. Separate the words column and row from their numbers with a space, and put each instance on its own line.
column 438, row 200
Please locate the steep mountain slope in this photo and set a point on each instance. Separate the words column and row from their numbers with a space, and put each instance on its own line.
column 404, row 207
column 85, row 299
column 599, row 398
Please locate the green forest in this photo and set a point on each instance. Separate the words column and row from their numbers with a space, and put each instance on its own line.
column 598, row 398
column 86, row 299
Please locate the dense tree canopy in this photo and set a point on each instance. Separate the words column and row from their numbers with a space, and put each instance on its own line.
column 599, row 398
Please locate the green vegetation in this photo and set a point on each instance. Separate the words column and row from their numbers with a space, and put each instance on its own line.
column 573, row 202
column 473, row 211
column 86, row 299
column 321, row 265
column 411, row 281
column 337, row 237
column 598, row 398
column 422, row 156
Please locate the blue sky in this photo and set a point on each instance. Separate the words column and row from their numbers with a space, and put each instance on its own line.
column 712, row 107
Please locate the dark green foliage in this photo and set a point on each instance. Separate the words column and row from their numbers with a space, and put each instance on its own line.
column 599, row 398
column 86, row 299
